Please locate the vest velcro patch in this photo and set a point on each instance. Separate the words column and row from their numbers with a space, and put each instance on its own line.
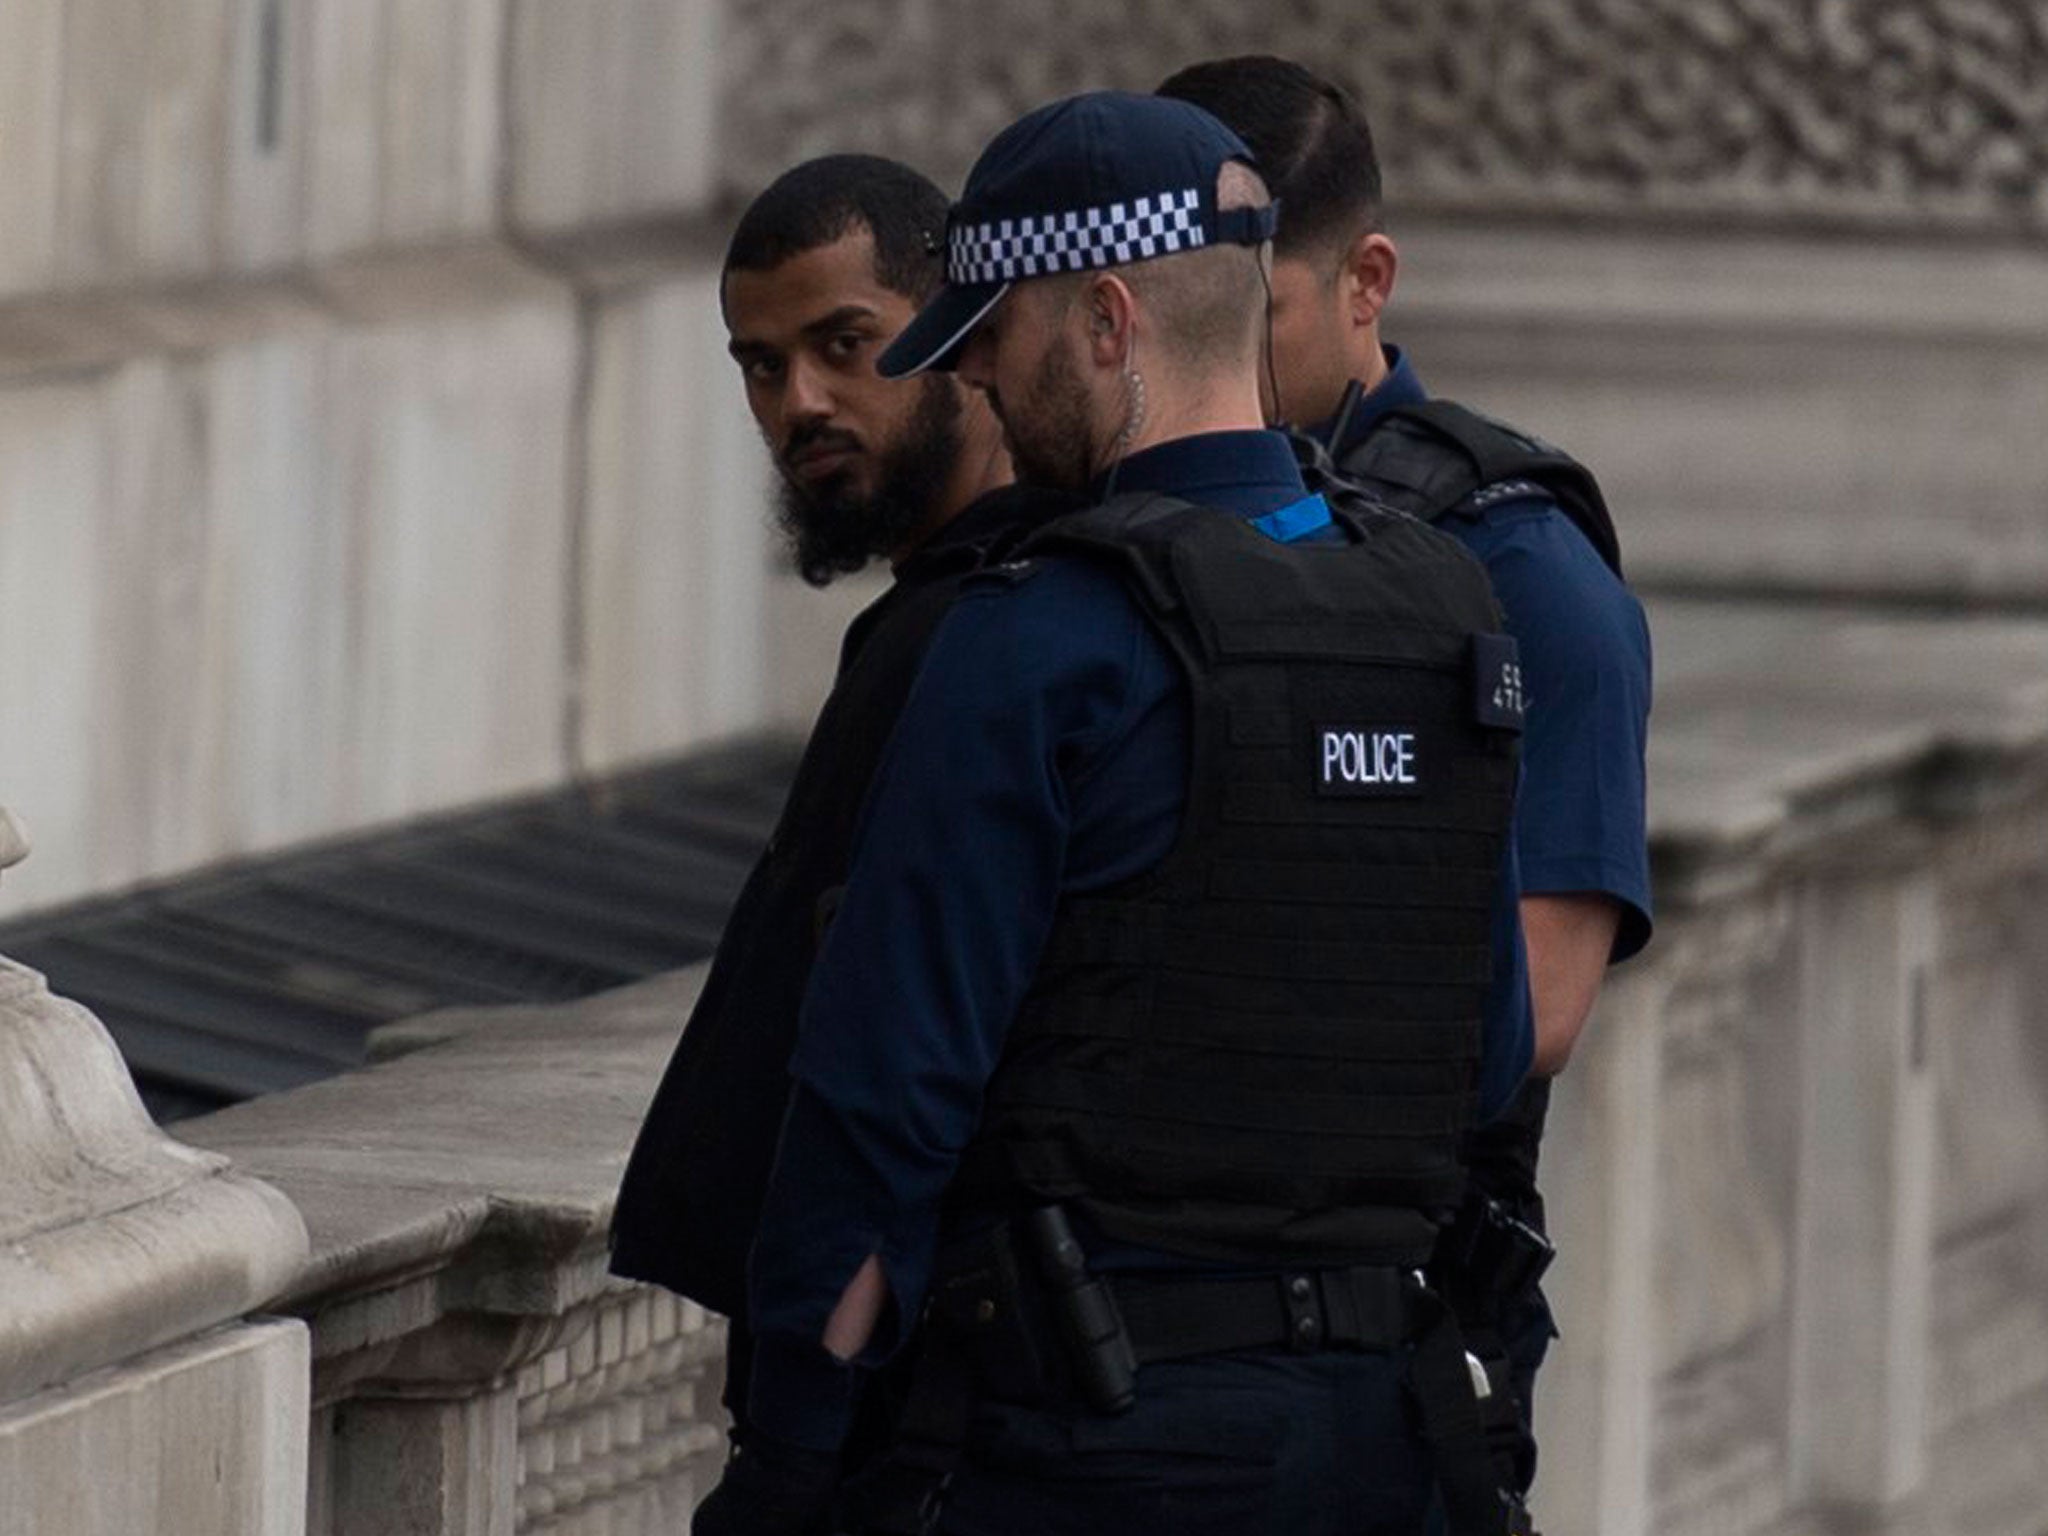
column 1498, row 699
column 1368, row 760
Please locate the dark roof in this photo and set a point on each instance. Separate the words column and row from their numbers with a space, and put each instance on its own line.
column 243, row 980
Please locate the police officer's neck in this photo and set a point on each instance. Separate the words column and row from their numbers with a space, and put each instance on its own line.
column 1365, row 362
column 1191, row 405
column 1370, row 366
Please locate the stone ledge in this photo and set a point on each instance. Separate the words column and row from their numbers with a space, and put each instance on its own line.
column 70, row 333
column 1784, row 734
column 91, row 332
column 1766, row 414
column 458, row 1199
column 1695, row 283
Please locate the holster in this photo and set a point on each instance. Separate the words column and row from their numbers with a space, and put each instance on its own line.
column 1487, row 1263
column 1011, row 1315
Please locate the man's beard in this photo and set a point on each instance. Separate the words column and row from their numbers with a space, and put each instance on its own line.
column 831, row 531
column 1048, row 430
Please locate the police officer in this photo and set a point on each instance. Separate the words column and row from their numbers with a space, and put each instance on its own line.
column 824, row 269
column 1164, row 981
column 1537, row 520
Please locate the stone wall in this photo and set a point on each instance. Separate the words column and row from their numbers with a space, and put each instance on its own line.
column 1775, row 268
column 342, row 477
column 1796, row 1181
column 1855, row 114
column 367, row 447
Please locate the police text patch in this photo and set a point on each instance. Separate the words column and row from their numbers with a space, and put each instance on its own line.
column 1367, row 760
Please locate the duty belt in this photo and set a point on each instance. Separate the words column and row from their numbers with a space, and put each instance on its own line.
column 978, row 1339
column 1368, row 1308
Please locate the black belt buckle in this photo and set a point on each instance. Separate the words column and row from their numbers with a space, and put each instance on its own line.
column 1308, row 1320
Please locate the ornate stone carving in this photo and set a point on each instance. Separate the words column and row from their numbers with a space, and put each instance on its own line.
column 1895, row 112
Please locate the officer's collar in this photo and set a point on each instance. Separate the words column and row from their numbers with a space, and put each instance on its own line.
column 1248, row 472
column 1401, row 386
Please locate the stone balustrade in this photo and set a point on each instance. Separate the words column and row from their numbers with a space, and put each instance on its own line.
column 474, row 1369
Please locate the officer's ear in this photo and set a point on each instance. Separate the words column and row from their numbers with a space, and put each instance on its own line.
column 1365, row 278
column 1111, row 316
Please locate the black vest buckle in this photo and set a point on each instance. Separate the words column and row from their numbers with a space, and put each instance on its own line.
column 1307, row 1320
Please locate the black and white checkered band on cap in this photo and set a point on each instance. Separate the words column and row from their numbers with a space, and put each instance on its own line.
column 1125, row 177
column 1004, row 250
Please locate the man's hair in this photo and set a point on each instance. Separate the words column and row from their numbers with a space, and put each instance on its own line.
column 1309, row 137
column 823, row 200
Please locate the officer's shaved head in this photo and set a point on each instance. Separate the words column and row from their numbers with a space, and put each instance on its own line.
column 1310, row 138
column 1207, row 306
column 1210, row 304
column 823, row 200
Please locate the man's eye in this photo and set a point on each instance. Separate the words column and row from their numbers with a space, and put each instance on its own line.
column 845, row 346
column 762, row 370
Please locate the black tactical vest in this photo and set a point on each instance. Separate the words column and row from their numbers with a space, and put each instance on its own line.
column 1439, row 458
column 1265, row 1049
column 691, row 1198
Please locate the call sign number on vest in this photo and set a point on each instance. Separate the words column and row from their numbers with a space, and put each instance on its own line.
column 1364, row 761
column 1498, row 697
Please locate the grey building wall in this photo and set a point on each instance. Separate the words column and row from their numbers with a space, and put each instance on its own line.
column 1879, row 116
column 335, row 489
column 367, row 448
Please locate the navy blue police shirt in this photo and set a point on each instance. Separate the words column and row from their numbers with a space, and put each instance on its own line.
column 1585, row 656
column 1042, row 753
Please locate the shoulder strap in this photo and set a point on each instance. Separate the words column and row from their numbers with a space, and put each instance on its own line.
column 1132, row 532
column 1441, row 457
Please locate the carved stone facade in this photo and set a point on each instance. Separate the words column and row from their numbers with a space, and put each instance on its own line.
column 1899, row 113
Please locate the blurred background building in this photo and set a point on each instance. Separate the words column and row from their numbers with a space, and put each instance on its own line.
column 369, row 458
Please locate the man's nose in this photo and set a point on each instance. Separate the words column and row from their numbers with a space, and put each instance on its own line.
column 807, row 396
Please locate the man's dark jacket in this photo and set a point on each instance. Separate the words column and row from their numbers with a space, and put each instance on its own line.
column 691, row 1198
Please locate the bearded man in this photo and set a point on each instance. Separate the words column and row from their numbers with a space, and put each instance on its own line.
column 823, row 271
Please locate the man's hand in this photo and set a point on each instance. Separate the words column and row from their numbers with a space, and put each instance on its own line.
column 770, row 1488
